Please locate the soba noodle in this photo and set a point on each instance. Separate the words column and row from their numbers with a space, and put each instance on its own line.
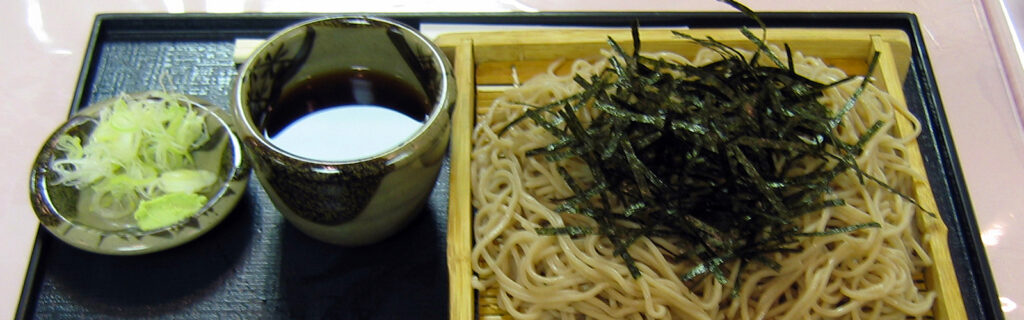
column 865, row 274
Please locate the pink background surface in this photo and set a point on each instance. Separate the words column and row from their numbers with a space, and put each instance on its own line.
column 972, row 46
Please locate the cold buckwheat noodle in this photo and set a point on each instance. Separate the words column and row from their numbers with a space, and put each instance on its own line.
column 865, row 274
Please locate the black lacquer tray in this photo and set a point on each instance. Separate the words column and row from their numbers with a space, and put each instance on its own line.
column 256, row 266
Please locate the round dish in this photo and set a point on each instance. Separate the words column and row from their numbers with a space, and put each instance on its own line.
column 56, row 205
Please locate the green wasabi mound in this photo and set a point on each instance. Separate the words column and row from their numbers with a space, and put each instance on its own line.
column 167, row 209
column 138, row 159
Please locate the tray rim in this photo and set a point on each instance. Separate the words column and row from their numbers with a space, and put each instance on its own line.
column 218, row 25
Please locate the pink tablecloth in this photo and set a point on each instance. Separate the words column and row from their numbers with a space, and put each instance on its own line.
column 970, row 43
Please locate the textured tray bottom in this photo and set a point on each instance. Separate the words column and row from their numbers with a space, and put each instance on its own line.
column 254, row 265
column 257, row 266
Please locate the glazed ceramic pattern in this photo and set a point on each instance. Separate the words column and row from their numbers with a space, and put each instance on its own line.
column 355, row 201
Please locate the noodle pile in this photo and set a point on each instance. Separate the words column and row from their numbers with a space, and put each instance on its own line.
column 864, row 274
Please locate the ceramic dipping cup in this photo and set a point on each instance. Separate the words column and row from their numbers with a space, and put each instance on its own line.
column 325, row 182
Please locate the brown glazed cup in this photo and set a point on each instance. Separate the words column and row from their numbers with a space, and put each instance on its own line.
column 351, row 202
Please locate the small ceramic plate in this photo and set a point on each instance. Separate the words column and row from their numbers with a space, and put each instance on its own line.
column 57, row 207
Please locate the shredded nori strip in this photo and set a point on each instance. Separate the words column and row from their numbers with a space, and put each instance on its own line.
column 702, row 159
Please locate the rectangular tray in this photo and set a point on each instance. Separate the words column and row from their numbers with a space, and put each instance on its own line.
column 486, row 61
column 255, row 265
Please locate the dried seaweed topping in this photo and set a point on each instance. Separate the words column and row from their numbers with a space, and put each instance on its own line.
column 703, row 157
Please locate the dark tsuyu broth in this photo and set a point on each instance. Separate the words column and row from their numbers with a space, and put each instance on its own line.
column 345, row 115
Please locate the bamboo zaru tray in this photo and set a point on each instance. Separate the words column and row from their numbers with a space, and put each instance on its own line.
column 486, row 61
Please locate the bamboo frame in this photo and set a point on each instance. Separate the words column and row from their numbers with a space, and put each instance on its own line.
column 485, row 63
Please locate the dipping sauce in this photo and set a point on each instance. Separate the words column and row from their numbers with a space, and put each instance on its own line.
column 346, row 115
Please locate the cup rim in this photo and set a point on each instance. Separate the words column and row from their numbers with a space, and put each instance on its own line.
column 440, row 105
